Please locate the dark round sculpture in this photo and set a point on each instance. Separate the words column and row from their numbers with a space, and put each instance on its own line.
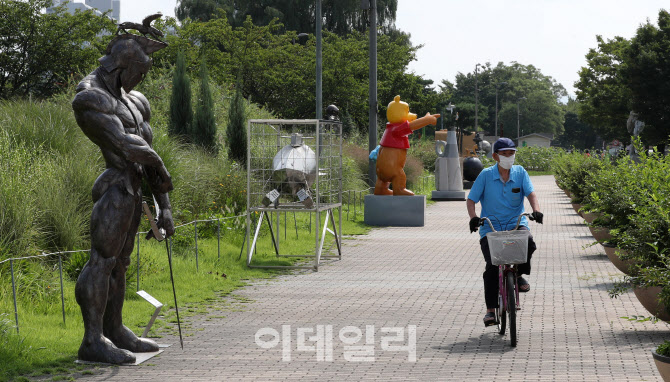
column 471, row 168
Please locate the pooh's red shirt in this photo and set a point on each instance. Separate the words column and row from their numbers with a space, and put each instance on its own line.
column 396, row 134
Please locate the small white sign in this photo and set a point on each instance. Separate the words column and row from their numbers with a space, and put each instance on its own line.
column 303, row 194
column 272, row 195
column 149, row 298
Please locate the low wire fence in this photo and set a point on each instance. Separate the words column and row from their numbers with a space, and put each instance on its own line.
column 353, row 204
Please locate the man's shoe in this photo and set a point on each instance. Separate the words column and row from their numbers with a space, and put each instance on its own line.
column 523, row 284
column 490, row 319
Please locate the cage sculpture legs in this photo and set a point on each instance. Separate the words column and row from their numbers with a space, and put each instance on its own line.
column 294, row 166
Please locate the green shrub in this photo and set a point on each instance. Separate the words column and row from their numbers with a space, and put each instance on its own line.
column 204, row 125
column 424, row 151
column 358, row 155
column 181, row 113
column 664, row 349
column 236, row 132
column 571, row 171
column 537, row 158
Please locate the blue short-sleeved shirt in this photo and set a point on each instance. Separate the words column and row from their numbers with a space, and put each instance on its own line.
column 500, row 203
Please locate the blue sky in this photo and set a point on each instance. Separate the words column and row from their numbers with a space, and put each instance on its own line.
column 553, row 35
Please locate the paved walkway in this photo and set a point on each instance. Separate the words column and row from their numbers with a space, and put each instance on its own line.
column 429, row 278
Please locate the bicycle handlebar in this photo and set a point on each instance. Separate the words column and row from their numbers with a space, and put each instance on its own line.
column 518, row 221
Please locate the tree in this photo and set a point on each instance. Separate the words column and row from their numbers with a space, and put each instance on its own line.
column 40, row 52
column 204, row 124
column 204, row 10
column 648, row 77
column 280, row 74
column 576, row 133
column 340, row 16
column 181, row 113
column 602, row 92
column 540, row 112
column 236, row 131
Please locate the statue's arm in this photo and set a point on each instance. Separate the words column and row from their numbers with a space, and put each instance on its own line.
column 93, row 112
column 151, row 174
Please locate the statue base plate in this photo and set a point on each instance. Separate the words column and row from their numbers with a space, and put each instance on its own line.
column 395, row 211
column 139, row 358
column 448, row 195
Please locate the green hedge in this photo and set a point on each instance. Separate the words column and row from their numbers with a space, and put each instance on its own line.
column 632, row 199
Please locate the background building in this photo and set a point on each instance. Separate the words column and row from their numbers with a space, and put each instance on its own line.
column 100, row 6
column 535, row 140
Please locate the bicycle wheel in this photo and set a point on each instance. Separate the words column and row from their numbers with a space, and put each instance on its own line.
column 511, row 306
column 501, row 319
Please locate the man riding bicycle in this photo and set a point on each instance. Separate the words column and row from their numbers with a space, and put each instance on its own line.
column 501, row 189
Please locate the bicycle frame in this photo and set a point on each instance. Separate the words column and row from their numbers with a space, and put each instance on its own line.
column 504, row 294
column 503, row 270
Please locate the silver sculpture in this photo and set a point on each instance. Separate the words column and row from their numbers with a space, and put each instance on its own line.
column 295, row 165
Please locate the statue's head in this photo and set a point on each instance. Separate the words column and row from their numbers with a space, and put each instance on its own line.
column 130, row 54
column 398, row 111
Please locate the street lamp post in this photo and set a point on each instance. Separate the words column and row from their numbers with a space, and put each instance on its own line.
column 496, row 127
column 476, row 98
column 371, row 5
column 518, row 124
column 319, row 67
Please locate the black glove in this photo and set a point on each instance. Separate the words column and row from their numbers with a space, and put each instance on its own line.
column 474, row 224
column 537, row 216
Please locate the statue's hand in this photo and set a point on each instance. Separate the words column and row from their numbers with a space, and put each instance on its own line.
column 432, row 118
column 165, row 222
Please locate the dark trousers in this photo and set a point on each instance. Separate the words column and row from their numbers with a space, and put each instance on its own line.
column 491, row 272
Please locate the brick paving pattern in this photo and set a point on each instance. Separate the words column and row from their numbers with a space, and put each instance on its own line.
column 431, row 278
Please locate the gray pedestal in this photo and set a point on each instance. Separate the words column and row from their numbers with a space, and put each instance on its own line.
column 395, row 211
column 448, row 195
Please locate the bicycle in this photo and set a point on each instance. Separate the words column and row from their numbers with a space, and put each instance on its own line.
column 508, row 248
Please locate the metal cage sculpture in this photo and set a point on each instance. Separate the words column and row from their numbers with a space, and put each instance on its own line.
column 294, row 166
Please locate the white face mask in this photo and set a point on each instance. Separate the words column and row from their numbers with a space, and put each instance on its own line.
column 506, row 162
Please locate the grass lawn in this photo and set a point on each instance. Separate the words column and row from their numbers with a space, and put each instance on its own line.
column 48, row 346
column 536, row 173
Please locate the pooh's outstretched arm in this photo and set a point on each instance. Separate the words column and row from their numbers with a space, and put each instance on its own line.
column 428, row 119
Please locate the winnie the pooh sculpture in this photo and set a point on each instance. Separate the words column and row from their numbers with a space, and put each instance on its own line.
column 394, row 144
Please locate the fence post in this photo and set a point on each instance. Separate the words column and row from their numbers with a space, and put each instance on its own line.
column 16, row 311
column 138, row 261
column 348, row 203
column 218, row 238
column 355, row 205
column 62, row 298
column 295, row 223
column 197, row 267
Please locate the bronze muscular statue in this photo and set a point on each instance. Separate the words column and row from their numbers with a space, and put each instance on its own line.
column 116, row 118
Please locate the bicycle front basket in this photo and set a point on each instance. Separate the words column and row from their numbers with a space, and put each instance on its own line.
column 508, row 247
